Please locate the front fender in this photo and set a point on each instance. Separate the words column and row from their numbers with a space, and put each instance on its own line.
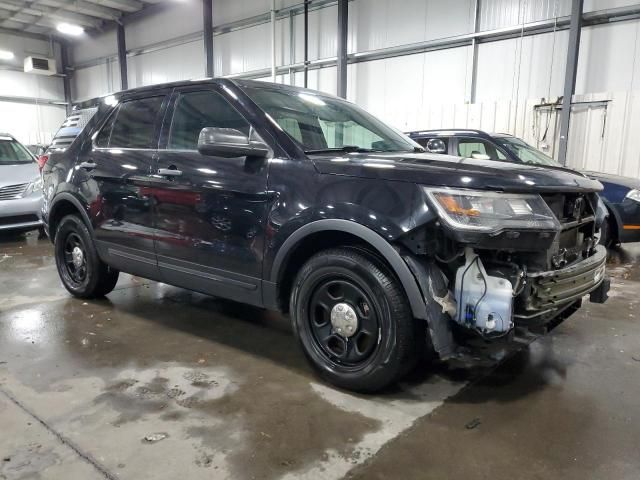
column 390, row 254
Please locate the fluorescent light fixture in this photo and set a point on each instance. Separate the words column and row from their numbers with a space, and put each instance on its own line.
column 70, row 29
column 6, row 55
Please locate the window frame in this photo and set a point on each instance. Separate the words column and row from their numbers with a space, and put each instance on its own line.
column 116, row 109
column 165, row 133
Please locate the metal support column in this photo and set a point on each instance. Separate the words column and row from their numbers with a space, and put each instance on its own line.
column 66, row 80
column 273, row 40
column 292, row 45
column 122, row 57
column 343, row 20
column 474, row 61
column 306, row 43
column 570, row 77
column 207, row 15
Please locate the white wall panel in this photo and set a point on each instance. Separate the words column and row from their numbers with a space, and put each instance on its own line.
column 399, row 89
column 609, row 58
column 504, row 13
column 384, row 23
column 31, row 123
column 591, row 5
column 19, row 84
column 242, row 50
column 522, row 67
column 178, row 19
column 95, row 81
column 225, row 11
column 97, row 46
column 182, row 62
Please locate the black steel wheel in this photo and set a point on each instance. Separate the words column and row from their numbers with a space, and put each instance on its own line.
column 75, row 258
column 82, row 272
column 343, row 323
column 353, row 320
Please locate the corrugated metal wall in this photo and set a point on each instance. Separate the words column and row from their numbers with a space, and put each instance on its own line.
column 418, row 91
column 29, row 123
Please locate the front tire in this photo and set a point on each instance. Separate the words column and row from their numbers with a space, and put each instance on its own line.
column 353, row 320
column 82, row 272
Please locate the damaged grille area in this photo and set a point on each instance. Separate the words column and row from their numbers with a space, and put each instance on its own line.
column 576, row 214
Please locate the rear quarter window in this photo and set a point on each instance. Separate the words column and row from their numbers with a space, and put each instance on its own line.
column 73, row 125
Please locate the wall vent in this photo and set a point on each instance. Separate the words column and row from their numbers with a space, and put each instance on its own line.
column 40, row 65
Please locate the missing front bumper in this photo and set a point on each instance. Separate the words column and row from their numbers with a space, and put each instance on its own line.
column 554, row 289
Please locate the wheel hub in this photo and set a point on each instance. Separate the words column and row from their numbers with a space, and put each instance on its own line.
column 77, row 256
column 344, row 319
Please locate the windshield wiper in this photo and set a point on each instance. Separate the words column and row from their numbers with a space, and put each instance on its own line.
column 344, row 149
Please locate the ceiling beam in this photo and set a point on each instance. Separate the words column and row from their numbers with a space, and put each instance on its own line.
column 48, row 12
column 124, row 5
column 83, row 7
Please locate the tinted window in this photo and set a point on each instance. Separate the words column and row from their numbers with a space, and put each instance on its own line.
column 197, row 110
column 474, row 147
column 73, row 125
column 102, row 140
column 134, row 125
column 320, row 122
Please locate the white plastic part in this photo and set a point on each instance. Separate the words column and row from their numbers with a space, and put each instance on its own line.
column 485, row 303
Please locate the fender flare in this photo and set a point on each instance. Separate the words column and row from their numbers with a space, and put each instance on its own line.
column 613, row 213
column 66, row 196
column 393, row 258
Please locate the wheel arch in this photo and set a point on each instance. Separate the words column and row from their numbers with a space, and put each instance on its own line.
column 65, row 204
column 614, row 219
column 327, row 233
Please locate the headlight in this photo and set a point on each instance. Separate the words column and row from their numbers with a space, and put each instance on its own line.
column 492, row 211
column 35, row 185
column 633, row 195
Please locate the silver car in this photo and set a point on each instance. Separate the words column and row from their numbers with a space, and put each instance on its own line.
column 20, row 186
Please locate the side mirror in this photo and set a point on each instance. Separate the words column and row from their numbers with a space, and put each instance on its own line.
column 229, row 143
column 436, row 145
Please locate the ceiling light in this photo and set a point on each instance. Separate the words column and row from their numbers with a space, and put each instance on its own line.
column 6, row 55
column 70, row 29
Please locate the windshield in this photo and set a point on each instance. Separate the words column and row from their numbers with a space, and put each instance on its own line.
column 12, row 152
column 526, row 153
column 323, row 124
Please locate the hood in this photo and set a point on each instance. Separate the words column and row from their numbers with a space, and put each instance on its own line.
column 13, row 174
column 614, row 179
column 456, row 172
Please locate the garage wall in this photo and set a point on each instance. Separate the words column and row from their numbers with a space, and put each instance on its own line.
column 427, row 90
column 29, row 121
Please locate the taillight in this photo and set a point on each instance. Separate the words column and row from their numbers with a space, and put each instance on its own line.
column 42, row 160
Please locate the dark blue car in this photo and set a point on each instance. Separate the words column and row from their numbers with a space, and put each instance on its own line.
column 621, row 195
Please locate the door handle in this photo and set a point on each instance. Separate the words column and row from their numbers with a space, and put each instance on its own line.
column 88, row 165
column 169, row 172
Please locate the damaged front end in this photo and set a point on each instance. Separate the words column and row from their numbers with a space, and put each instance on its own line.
column 496, row 267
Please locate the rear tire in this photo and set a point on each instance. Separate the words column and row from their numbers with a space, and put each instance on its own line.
column 82, row 272
column 353, row 320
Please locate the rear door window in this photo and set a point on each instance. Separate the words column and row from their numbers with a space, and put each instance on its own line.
column 135, row 123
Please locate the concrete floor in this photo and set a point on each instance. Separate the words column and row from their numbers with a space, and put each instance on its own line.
column 223, row 391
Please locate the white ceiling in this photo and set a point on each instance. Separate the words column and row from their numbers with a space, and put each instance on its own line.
column 42, row 16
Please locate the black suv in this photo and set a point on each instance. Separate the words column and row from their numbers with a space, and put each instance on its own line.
column 298, row 201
